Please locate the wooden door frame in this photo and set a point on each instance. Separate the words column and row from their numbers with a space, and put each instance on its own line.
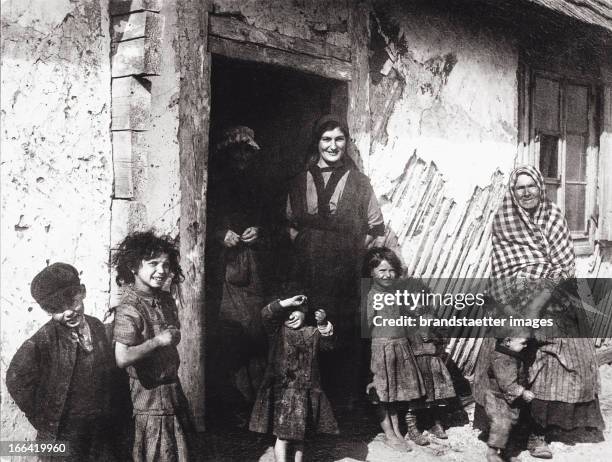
column 200, row 34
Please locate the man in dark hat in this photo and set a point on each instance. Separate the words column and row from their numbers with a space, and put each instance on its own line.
column 60, row 377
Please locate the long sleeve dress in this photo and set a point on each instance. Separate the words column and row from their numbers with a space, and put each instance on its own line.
column 333, row 211
column 291, row 402
column 236, row 279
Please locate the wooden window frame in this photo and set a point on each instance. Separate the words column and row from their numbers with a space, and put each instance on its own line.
column 583, row 241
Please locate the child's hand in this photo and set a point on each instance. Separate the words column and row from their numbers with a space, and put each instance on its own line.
column 369, row 386
column 231, row 239
column 293, row 301
column 296, row 320
column 170, row 336
column 320, row 316
column 528, row 396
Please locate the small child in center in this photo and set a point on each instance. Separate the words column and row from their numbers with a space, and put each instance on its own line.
column 290, row 402
column 505, row 395
column 146, row 333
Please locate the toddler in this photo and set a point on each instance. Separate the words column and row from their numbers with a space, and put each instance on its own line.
column 290, row 401
column 504, row 394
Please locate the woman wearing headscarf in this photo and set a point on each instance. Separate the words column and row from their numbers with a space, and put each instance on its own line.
column 236, row 278
column 333, row 215
column 533, row 259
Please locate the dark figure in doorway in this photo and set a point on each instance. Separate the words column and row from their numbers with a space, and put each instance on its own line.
column 333, row 215
column 236, row 214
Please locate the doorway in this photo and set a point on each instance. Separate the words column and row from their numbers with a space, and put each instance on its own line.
column 280, row 105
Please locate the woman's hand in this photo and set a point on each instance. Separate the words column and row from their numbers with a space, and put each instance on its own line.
column 293, row 233
column 231, row 239
column 321, row 316
column 250, row 235
column 528, row 396
column 534, row 309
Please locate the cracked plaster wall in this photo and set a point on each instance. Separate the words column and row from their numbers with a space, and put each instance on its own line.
column 307, row 19
column 156, row 201
column 56, row 162
column 459, row 102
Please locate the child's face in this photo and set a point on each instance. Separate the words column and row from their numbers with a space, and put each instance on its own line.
column 152, row 274
column 72, row 315
column 516, row 344
column 296, row 320
column 384, row 273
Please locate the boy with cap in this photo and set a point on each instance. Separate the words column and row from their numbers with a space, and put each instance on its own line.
column 61, row 376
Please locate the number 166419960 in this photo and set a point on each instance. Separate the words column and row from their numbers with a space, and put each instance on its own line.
column 23, row 448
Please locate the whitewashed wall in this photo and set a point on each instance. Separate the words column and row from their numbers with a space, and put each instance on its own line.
column 56, row 162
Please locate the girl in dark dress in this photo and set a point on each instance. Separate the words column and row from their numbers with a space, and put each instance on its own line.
column 290, row 402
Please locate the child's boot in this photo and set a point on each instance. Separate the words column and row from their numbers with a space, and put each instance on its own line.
column 538, row 447
column 413, row 433
column 437, row 429
column 493, row 456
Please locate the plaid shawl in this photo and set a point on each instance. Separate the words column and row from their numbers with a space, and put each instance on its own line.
column 530, row 245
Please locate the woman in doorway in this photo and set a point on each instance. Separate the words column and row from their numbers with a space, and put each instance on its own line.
column 333, row 216
column 532, row 247
column 238, row 248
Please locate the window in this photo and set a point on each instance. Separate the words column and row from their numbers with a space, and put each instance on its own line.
column 564, row 134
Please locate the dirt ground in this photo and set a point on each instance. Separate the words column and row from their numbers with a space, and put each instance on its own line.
column 360, row 441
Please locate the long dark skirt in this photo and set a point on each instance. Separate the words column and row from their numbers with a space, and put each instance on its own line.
column 567, row 416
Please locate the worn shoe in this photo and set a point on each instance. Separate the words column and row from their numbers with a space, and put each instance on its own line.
column 413, row 433
column 438, row 431
column 539, row 448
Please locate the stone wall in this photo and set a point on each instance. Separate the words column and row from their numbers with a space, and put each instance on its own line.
column 57, row 167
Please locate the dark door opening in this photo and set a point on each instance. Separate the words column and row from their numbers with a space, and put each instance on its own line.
column 281, row 106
